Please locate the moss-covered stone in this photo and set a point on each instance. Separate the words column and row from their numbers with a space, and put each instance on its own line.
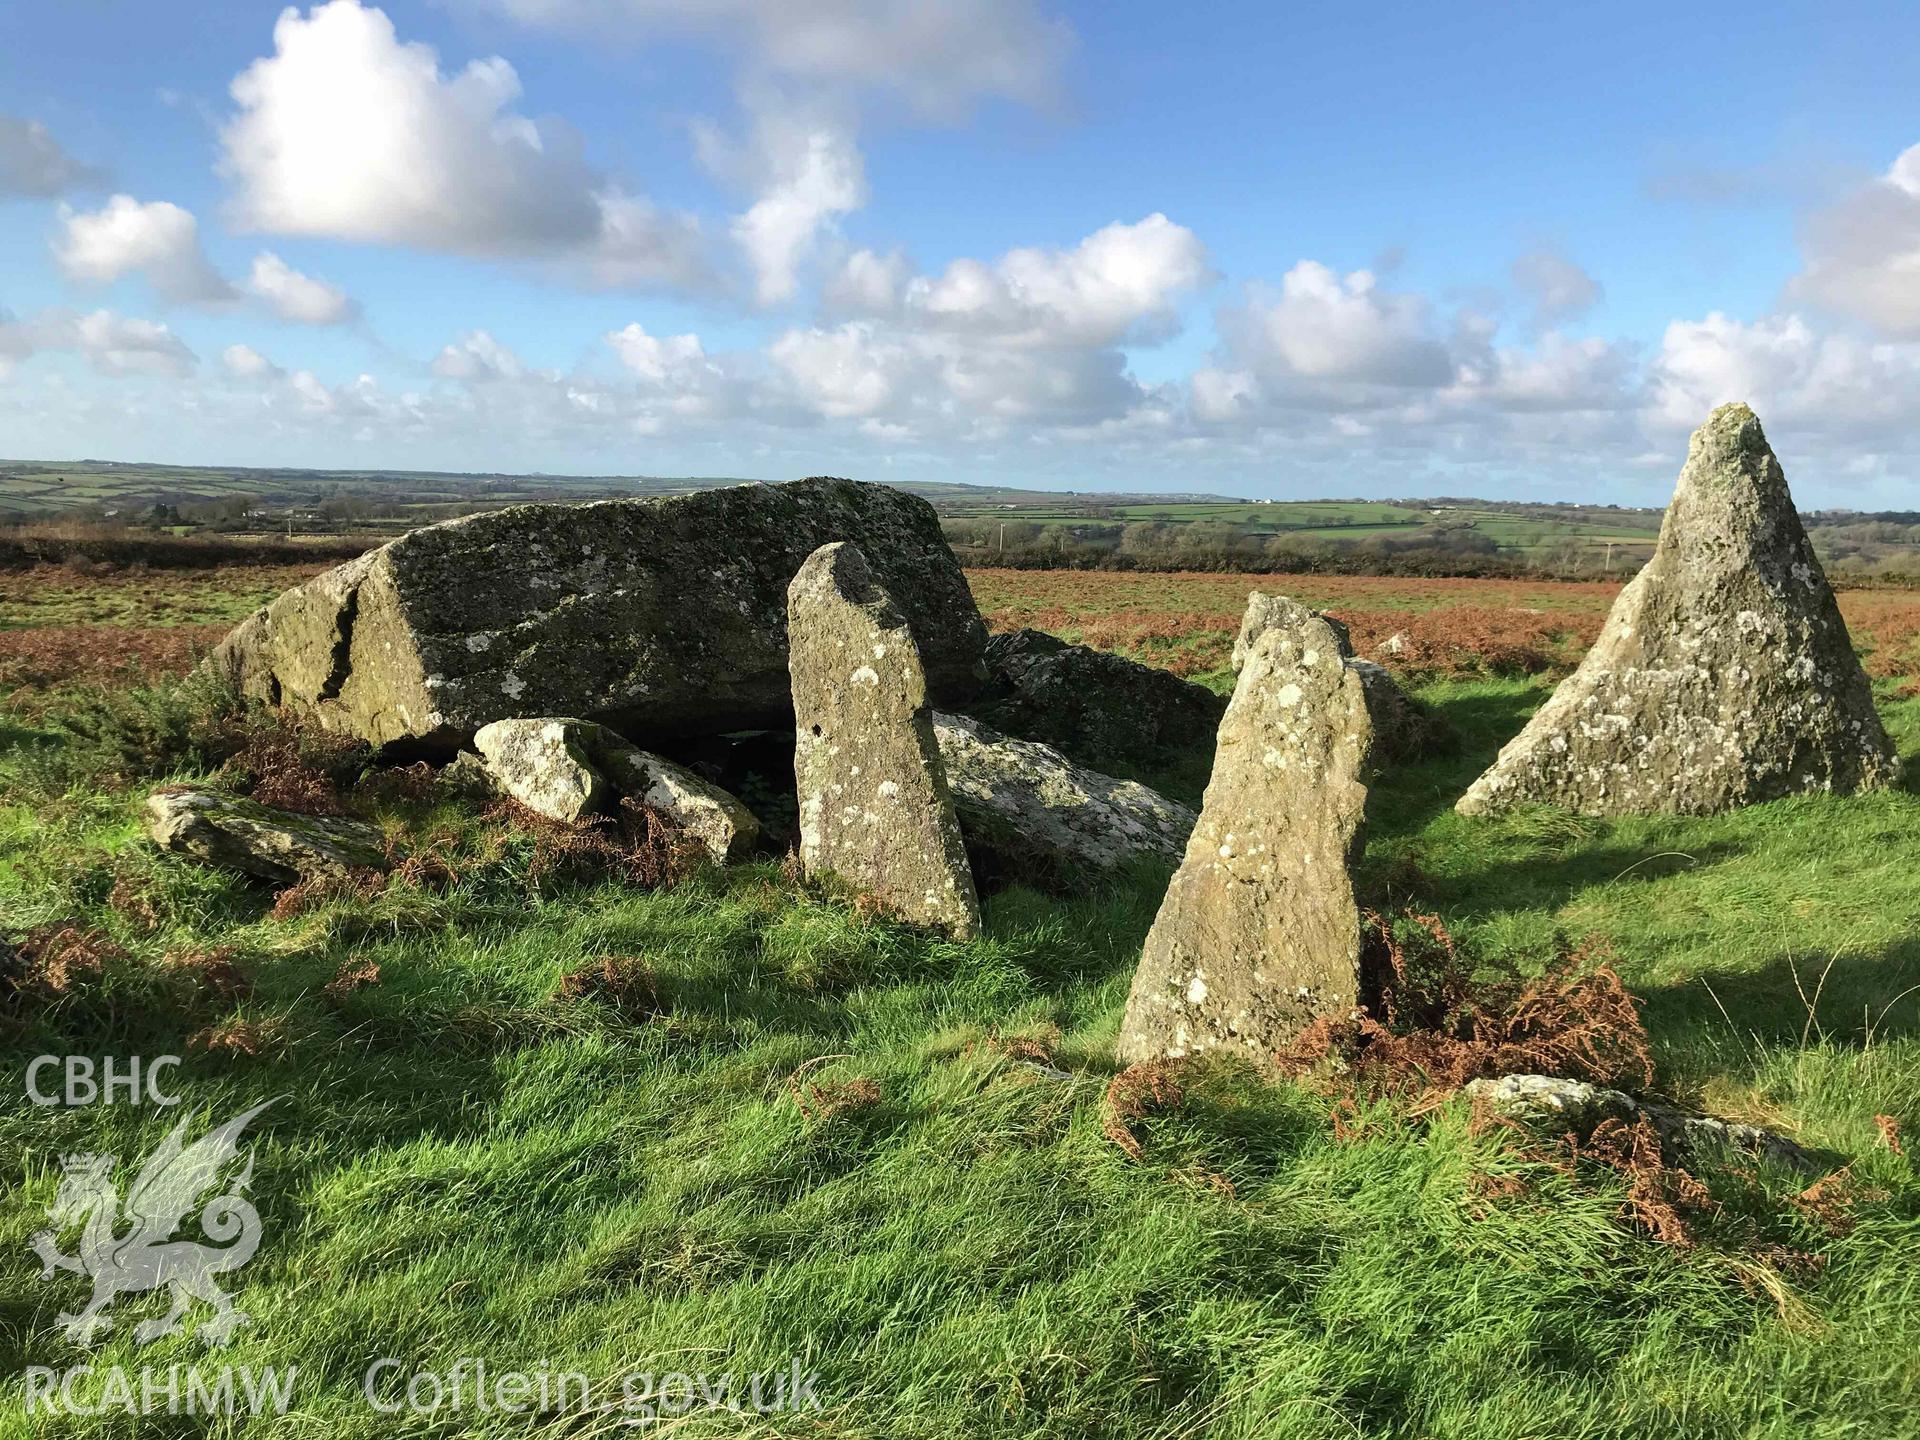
column 661, row 617
column 276, row 845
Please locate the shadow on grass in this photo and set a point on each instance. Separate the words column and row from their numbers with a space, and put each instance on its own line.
column 1844, row 1000
column 1406, row 798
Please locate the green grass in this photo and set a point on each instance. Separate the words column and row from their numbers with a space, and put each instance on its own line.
column 465, row 1165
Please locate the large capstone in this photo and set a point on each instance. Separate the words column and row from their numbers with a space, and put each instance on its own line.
column 1029, row 814
column 1102, row 710
column 875, row 810
column 1724, row 674
column 662, row 617
column 570, row 770
column 277, row 845
column 1259, row 932
column 1403, row 727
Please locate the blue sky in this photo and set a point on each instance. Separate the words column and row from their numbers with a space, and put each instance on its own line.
column 1267, row 250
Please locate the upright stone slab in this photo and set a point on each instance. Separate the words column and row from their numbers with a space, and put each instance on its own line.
column 1724, row 674
column 875, row 810
column 1403, row 727
column 1259, row 932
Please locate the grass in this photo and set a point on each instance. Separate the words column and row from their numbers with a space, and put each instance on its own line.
column 473, row 1158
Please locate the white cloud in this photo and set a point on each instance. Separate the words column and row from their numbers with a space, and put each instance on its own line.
column 657, row 358
column 1863, row 254
column 806, row 171
column 1322, row 327
column 156, row 239
column 477, row 356
column 345, row 131
column 1832, row 384
column 243, row 362
column 32, row 162
column 937, row 57
column 297, row 297
column 1121, row 283
column 1558, row 289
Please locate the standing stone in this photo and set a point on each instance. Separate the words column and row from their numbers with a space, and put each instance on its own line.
column 875, row 810
column 1724, row 674
column 1259, row 932
column 1403, row 728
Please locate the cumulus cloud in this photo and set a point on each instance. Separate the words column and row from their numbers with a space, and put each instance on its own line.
column 348, row 132
column 111, row 343
column 477, row 356
column 806, row 171
column 656, row 358
column 1322, row 331
column 1863, row 253
column 297, row 297
column 155, row 239
column 1557, row 288
column 33, row 163
column 938, row 58
column 1121, row 283
column 243, row 362
column 1821, row 382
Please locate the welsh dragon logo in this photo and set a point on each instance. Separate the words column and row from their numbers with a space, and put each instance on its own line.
column 134, row 1252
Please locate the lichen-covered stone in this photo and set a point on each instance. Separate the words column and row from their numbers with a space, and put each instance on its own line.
column 875, row 810
column 1403, row 728
column 568, row 769
column 1099, row 709
column 544, row 764
column 1259, row 932
column 1724, row 674
column 661, row 617
column 276, row 845
column 717, row 819
column 1039, row 818
column 1558, row 1107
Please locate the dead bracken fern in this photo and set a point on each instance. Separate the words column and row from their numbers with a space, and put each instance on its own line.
column 1135, row 1093
column 50, row 961
column 1432, row 1023
column 637, row 844
column 821, row 1100
column 625, row 982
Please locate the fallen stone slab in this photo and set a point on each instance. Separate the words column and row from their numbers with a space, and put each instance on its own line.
column 1098, row 709
column 276, row 845
column 1259, row 932
column 1041, row 819
column 569, row 769
column 1553, row 1106
column 661, row 617
column 1724, row 674
column 875, row 809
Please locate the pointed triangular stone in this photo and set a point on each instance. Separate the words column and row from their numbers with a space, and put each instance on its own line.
column 875, row 808
column 1724, row 674
column 1259, row 932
